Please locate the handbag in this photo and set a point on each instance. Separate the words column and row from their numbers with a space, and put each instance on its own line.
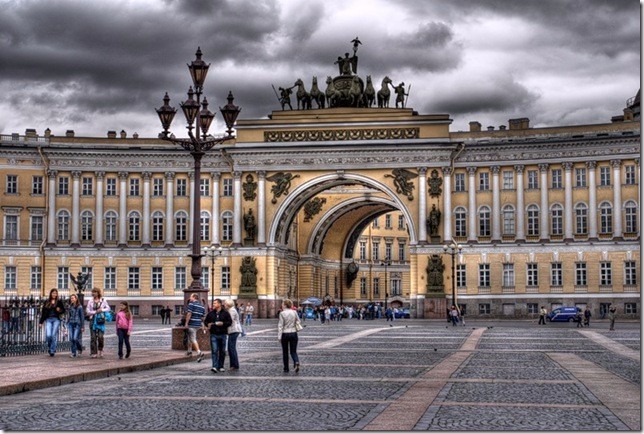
column 298, row 326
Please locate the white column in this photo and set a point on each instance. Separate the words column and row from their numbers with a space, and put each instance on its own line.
column 261, row 208
column 568, row 201
column 76, row 208
column 592, row 199
column 544, row 232
column 193, row 185
column 169, row 209
column 519, row 218
column 617, row 198
column 447, row 200
column 123, row 210
column 215, row 207
column 98, row 240
column 237, row 208
column 496, row 204
column 145, row 237
column 422, row 204
column 471, row 198
column 51, row 217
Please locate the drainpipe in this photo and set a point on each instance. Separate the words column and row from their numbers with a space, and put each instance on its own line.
column 41, row 248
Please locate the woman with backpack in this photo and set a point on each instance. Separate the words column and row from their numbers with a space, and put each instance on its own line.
column 52, row 310
column 96, row 308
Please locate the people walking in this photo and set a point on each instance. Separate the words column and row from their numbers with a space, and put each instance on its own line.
column 217, row 321
column 542, row 315
column 234, row 331
column 612, row 316
column 453, row 313
column 124, row 322
column 287, row 328
column 50, row 319
column 75, row 324
column 587, row 315
column 248, row 312
column 168, row 314
column 96, row 308
column 194, row 322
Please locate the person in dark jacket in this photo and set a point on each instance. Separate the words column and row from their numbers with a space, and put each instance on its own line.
column 217, row 321
column 52, row 310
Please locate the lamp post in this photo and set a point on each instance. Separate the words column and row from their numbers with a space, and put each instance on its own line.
column 453, row 249
column 197, row 143
column 212, row 252
column 386, row 264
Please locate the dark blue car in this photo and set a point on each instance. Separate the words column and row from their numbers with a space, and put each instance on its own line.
column 564, row 313
column 402, row 313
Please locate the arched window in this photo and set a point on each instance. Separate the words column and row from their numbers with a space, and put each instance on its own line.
column 484, row 221
column 134, row 230
column 508, row 220
column 181, row 226
column 205, row 225
column 111, row 219
column 227, row 226
column 157, row 226
column 533, row 220
column 605, row 218
column 556, row 219
column 87, row 226
column 630, row 216
column 460, row 222
column 581, row 219
column 63, row 226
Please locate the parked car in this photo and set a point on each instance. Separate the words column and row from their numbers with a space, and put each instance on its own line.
column 564, row 313
column 402, row 313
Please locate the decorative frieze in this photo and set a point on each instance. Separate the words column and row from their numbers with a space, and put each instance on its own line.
column 341, row 135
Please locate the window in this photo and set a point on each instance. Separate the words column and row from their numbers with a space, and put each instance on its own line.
column 37, row 185
column 605, row 218
column 205, row 226
column 533, row 220
column 375, row 223
column 460, row 222
column 401, row 222
column 484, row 308
column 484, row 222
column 581, row 219
column 630, row 216
column 225, row 279
column 376, row 286
column 630, row 273
column 63, row 278
column 484, row 275
column 157, row 278
column 508, row 220
column 630, row 308
column 629, row 175
column 90, row 276
column 556, row 220
column 10, row 277
column 88, row 186
column 181, row 226
column 580, row 274
column 180, row 278
column 157, row 226
column 157, row 187
column 204, row 185
column 533, row 179
column 63, row 226
column 227, row 226
column 395, row 286
column 110, row 225
column 87, row 226
column 182, row 187
column 484, row 181
column 508, row 275
column 508, row 180
column 363, row 250
column 556, row 274
column 11, row 229
column 63, row 185
column 134, row 309
column 36, row 277
column 459, row 182
column 387, row 251
column 532, row 308
column 532, row 274
column 375, row 253
column 388, row 221
column 133, row 278
column 110, row 186
column 605, row 273
column 134, row 229
column 461, row 277
column 401, row 250
column 37, row 222
column 109, row 281
column 580, row 177
column 134, row 186
column 227, row 183
column 557, row 181
column 604, row 175
column 12, row 184
column 205, row 277
column 363, row 286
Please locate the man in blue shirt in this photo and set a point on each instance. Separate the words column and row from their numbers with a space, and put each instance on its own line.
column 194, row 321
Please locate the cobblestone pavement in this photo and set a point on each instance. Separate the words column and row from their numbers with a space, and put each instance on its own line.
column 364, row 375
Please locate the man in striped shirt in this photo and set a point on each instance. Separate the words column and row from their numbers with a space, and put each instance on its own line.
column 194, row 322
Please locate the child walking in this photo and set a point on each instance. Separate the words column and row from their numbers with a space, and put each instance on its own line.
column 124, row 328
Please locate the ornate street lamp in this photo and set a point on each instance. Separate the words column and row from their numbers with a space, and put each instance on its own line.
column 212, row 252
column 453, row 249
column 199, row 142
column 386, row 264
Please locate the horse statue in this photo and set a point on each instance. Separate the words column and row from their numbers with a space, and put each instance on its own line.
column 302, row 96
column 331, row 93
column 369, row 96
column 384, row 93
column 355, row 93
column 316, row 94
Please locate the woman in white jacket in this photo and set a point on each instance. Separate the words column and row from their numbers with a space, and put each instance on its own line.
column 233, row 333
column 287, row 334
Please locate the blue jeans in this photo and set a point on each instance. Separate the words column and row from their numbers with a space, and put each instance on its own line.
column 51, row 333
column 218, row 350
column 289, row 345
column 123, row 336
column 249, row 318
column 74, row 334
column 232, row 350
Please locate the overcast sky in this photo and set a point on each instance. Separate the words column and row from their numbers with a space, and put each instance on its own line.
column 100, row 65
